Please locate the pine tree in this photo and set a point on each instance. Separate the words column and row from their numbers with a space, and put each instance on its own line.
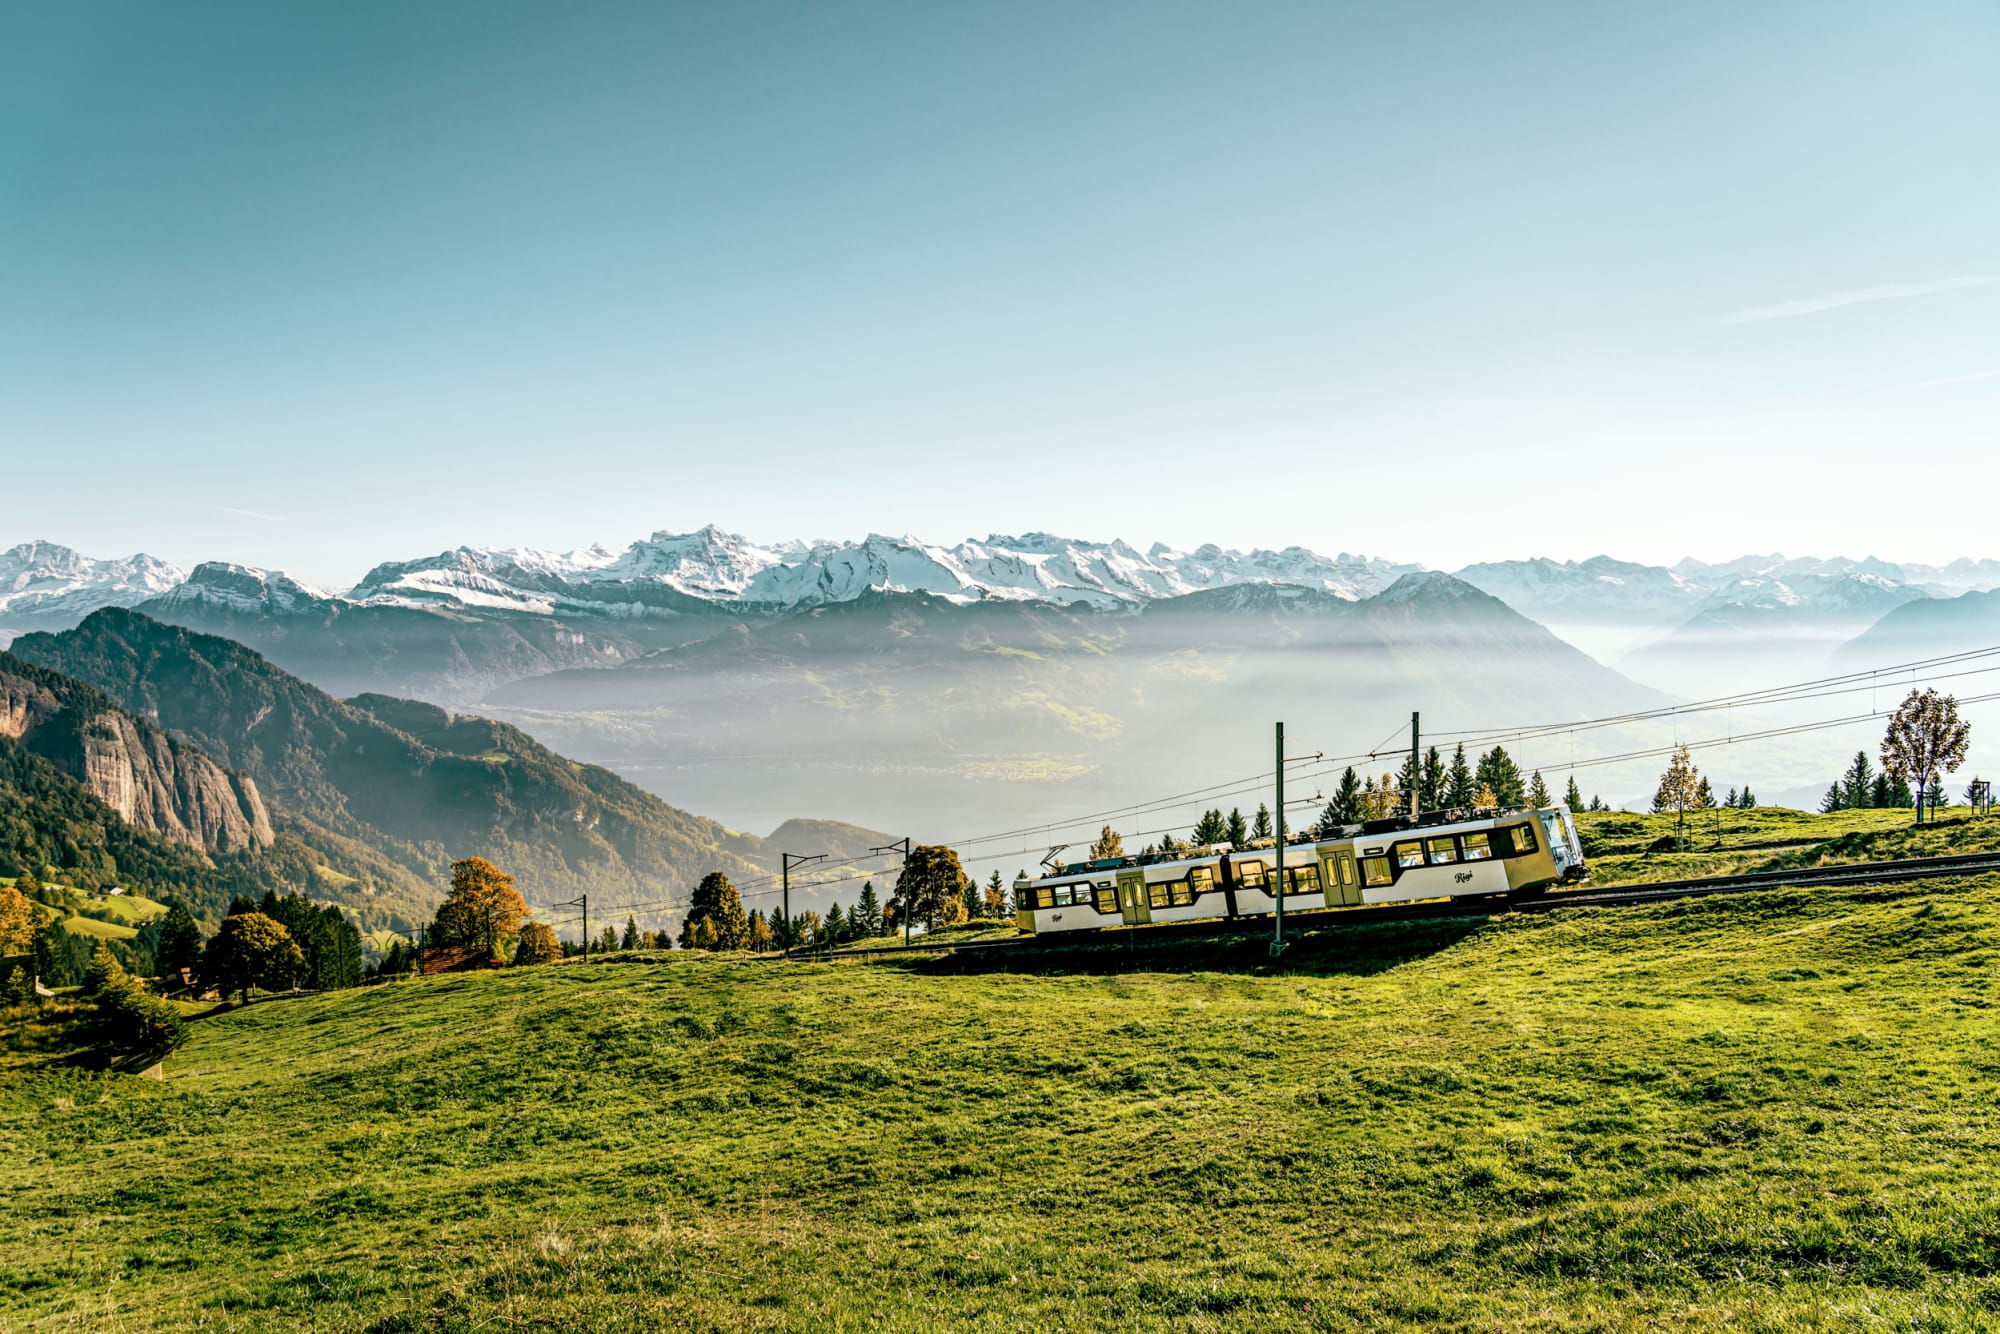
column 1260, row 827
column 1108, row 845
column 1431, row 794
column 975, row 901
column 1855, row 784
column 1729, row 802
column 1498, row 772
column 1210, row 829
column 607, row 940
column 1748, row 801
column 1704, row 795
column 1597, row 803
column 867, row 914
column 996, row 897
column 835, row 928
column 1878, row 791
column 1538, row 791
column 1239, row 829
column 179, row 943
column 1461, row 789
column 1571, row 797
column 1346, row 804
column 630, row 940
column 1834, row 800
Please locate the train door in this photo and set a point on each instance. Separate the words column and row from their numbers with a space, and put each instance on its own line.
column 1133, row 900
column 1343, row 885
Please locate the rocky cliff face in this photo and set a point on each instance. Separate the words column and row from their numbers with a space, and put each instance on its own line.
column 154, row 781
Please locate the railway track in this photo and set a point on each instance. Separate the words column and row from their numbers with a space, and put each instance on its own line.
column 1326, row 919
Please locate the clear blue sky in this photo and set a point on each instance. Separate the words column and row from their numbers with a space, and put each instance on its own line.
column 315, row 285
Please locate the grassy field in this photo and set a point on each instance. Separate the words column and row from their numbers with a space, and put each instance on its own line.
column 1770, row 1112
column 1619, row 845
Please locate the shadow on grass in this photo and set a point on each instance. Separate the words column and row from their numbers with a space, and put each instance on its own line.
column 1359, row 950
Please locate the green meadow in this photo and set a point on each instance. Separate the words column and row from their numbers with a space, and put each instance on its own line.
column 1767, row 1112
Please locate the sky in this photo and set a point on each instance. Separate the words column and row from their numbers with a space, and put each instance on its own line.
column 312, row 286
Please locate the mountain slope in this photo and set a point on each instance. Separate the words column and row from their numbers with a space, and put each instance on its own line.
column 155, row 782
column 1926, row 630
column 46, row 585
column 407, row 778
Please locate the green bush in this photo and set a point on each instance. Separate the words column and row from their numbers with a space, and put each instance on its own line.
column 133, row 1023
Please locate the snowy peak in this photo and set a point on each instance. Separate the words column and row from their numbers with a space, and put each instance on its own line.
column 44, row 579
column 242, row 588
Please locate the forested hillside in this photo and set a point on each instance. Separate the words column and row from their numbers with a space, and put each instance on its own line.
column 418, row 784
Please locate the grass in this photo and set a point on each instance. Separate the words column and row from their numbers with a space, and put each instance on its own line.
column 98, row 930
column 1770, row 1112
column 1618, row 845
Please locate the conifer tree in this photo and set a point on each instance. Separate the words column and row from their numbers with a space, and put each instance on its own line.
column 1571, row 797
column 1748, row 801
column 1260, row 827
column 996, row 896
column 1729, row 801
column 1704, row 795
column 1431, row 794
column 1498, row 772
column 1856, row 783
column 630, row 940
column 1878, row 791
column 1834, row 800
column 834, row 929
column 1210, row 829
column 716, row 901
column 179, row 943
column 1346, row 803
column 607, row 940
column 1239, row 828
column 867, row 915
column 1461, row 788
column 760, row 933
column 1108, row 845
column 1538, row 791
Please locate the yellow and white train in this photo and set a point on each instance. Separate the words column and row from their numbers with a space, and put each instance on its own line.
column 1443, row 854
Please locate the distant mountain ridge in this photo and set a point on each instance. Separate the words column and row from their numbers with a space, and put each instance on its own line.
column 417, row 784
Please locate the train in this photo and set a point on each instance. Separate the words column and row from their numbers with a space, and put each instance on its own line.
column 1437, row 854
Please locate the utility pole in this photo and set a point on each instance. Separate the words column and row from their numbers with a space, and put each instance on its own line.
column 1278, row 931
column 901, row 845
column 786, row 861
column 1416, row 770
column 583, row 903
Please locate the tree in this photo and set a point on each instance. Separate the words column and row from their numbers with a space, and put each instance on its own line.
column 1926, row 740
column 1704, row 795
column 1239, row 829
column 700, row 936
column 716, row 902
column 251, row 950
column 867, row 915
column 1210, row 829
column 1435, row 782
column 1346, row 804
column 1572, row 798
column 932, row 885
column 607, row 940
column 835, row 928
column 1856, row 782
column 1748, row 801
column 760, row 933
column 1679, row 789
column 1538, row 791
column 18, row 919
column 630, row 940
column 1498, row 772
column 179, row 943
column 1260, row 827
column 483, row 908
column 812, row 931
column 1108, row 845
column 1379, row 800
column 537, row 943
column 1461, row 788
column 104, row 973
column 1729, row 801
column 996, row 897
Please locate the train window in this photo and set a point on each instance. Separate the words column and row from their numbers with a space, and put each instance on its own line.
column 1409, row 854
column 1375, row 870
column 1524, row 838
column 1201, row 879
column 1158, row 895
column 1346, row 870
column 1443, row 850
column 1251, row 873
column 1045, row 897
column 1305, row 880
column 1478, row 847
column 1107, row 899
column 1179, row 893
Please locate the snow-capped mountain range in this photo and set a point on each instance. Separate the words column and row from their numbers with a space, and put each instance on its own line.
column 41, row 582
